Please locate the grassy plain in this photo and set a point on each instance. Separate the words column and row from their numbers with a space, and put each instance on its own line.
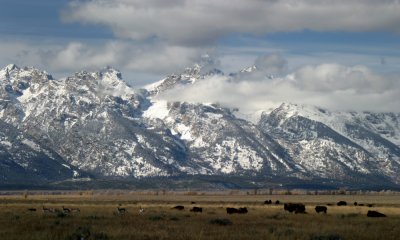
column 98, row 218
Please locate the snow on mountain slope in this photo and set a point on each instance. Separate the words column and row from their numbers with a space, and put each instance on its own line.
column 321, row 140
column 24, row 159
column 92, row 126
column 189, row 76
column 219, row 143
column 95, row 122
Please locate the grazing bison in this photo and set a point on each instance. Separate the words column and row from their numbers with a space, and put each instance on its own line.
column 235, row 210
column 277, row 202
column 361, row 204
column 230, row 210
column 32, row 209
column 267, row 202
column 319, row 209
column 179, row 207
column 375, row 214
column 370, row 205
column 196, row 209
column 355, row 203
column 342, row 203
column 294, row 207
column 243, row 210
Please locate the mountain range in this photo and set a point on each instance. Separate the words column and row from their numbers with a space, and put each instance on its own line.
column 93, row 126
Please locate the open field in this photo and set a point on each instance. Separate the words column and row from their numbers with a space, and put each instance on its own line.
column 98, row 216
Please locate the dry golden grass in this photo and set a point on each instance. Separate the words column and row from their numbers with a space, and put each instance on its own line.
column 98, row 216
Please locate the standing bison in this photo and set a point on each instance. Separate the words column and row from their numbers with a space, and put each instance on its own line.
column 196, row 209
column 319, row 209
column 342, row 203
column 294, row 207
column 235, row 210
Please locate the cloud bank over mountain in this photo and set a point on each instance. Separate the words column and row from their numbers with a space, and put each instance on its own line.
column 333, row 86
column 147, row 40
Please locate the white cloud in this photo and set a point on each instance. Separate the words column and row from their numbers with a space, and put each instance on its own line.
column 333, row 86
column 334, row 77
column 199, row 22
column 68, row 57
column 151, row 58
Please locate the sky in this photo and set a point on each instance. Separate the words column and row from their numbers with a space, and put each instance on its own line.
column 337, row 53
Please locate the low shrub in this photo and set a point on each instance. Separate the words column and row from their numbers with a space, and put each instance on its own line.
column 156, row 218
column 326, row 237
column 221, row 221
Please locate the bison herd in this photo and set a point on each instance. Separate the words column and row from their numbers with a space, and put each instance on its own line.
column 300, row 208
column 290, row 207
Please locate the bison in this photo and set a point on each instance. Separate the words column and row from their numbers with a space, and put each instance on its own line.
column 196, row 209
column 277, row 202
column 179, row 207
column 294, row 207
column 267, row 202
column 342, row 203
column 319, row 209
column 235, row 210
column 243, row 210
column 375, row 214
column 230, row 210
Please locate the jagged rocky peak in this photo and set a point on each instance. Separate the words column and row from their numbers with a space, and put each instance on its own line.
column 14, row 73
column 108, row 80
column 249, row 69
column 107, row 73
column 293, row 109
column 190, row 75
column 14, row 80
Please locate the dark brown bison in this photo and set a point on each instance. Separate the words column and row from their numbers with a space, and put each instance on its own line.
column 243, row 210
column 196, row 209
column 267, row 202
column 235, row 210
column 370, row 205
column 230, row 210
column 375, row 214
column 277, row 202
column 342, row 203
column 355, row 203
column 179, row 207
column 294, row 207
column 319, row 209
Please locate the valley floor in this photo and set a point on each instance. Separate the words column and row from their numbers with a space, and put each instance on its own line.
column 98, row 217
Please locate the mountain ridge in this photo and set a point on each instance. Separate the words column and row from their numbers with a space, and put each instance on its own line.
column 102, row 127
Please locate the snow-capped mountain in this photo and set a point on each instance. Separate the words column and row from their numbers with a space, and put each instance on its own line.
column 337, row 144
column 93, row 122
column 189, row 76
column 218, row 142
column 23, row 160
